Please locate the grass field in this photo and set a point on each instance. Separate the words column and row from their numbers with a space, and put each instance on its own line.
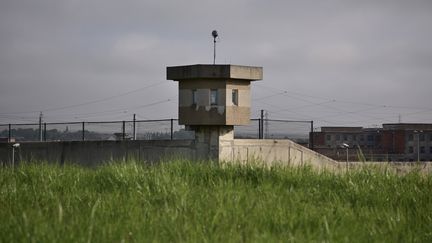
column 203, row 202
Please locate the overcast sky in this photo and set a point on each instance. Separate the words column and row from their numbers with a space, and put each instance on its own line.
column 351, row 63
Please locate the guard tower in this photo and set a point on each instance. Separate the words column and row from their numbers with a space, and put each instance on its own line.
column 214, row 98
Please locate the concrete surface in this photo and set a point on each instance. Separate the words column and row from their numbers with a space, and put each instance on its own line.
column 200, row 80
column 210, row 144
column 272, row 152
column 209, row 71
column 93, row 153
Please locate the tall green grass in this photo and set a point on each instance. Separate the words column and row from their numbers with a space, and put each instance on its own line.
column 203, row 202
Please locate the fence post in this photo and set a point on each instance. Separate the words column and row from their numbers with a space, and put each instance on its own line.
column 262, row 124
column 311, row 137
column 40, row 127
column 172, row 128
column 259, row 128
column 134, row 127
column 45, row 133
column 9, row 132
column 123, row 130
column 83, row 131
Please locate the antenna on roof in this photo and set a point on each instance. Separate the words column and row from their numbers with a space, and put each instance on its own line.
column 215, row 35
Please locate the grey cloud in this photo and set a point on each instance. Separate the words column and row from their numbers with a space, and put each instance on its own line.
column 55, row 53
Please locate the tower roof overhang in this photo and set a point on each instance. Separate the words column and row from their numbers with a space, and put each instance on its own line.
column 218, row 71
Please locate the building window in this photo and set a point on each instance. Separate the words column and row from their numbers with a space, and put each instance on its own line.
column 345, row 138
column 421, row 137
column 430, row 149
column 410, row 137
column 329, row 138
column 337, row 137
column 354, row 137
column 213, row 97
column 235, row 96
column 370, row 138
column 361, row 138
column 410, row 149
column 422, row 149
column 194, row 97
column 430, row 137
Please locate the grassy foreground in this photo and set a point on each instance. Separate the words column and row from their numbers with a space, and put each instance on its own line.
column 199, row 202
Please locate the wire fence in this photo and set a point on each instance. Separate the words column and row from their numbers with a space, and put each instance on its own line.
column 165, row 129
column 298, row 131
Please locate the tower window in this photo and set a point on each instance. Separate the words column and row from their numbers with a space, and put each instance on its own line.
column 235, row 96
column 213, row 97
column 194, row 97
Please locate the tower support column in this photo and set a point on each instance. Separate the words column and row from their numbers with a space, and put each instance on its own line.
column 208, row 138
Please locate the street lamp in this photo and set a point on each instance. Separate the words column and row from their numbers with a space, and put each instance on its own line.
column 345, row 145
column 14, row 146
column 418, row 143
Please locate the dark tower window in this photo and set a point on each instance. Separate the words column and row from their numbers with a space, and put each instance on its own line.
column 194, row 97
column 213, row 97
column 235, row 96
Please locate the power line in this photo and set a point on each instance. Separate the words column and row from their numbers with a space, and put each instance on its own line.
column 120, row 110
column 277, row 92
column 93, row 101
column 340, row 112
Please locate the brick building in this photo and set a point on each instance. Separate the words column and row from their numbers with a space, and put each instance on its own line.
column 391, row 142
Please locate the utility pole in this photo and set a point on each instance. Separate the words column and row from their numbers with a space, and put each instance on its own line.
column 418, row 143
column 83, row 131
column 418, row 147
column 9, row 132
column 40, row 127
column 311, row 138
column 123, row 130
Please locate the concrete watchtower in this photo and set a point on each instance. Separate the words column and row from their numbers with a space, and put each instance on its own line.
column 214, row 98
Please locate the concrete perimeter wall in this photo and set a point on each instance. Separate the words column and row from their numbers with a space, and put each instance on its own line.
column 244, row 151
column 271, row 152
column 92, row 153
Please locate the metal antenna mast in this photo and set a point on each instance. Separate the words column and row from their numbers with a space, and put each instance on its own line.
column 215, row 35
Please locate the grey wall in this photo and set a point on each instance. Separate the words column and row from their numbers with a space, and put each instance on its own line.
column 92, row 153
column 270, row 152
column 207, row 146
